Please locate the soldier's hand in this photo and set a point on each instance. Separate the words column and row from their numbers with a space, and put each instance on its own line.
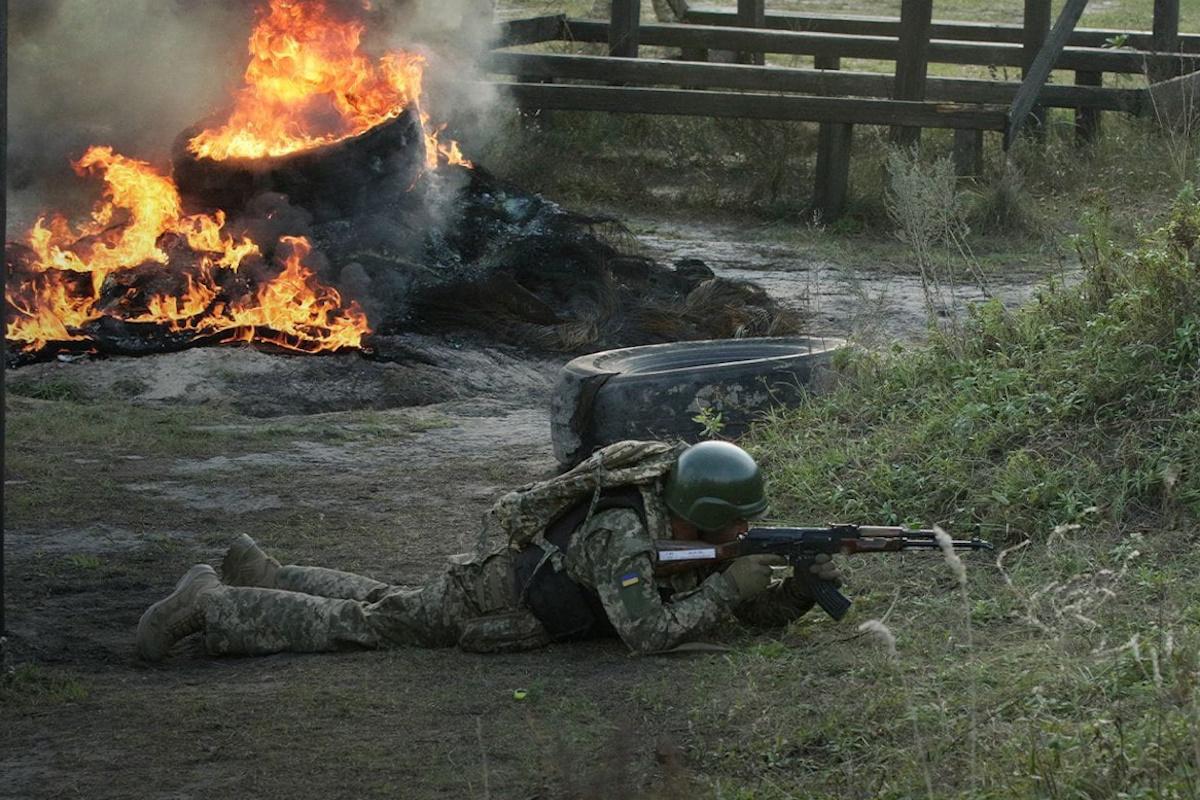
column 824, row 568
column 751, row 575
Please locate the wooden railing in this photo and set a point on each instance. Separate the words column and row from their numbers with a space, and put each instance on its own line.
column 907, row 100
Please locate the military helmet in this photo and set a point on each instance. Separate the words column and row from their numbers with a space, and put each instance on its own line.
column 713, row 484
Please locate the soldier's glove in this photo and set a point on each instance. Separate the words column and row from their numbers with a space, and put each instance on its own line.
column 822, row 568
column 751, row 575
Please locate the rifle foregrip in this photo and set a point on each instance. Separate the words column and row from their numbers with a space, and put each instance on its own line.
column 828, row 597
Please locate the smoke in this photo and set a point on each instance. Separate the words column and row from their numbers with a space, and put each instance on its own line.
column 135, row 73
column 453, row 35
column 130, row 73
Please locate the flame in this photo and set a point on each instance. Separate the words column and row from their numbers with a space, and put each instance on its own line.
column 307, row 85
column 140, row 259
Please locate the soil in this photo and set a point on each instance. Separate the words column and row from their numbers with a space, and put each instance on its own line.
column 377, row 467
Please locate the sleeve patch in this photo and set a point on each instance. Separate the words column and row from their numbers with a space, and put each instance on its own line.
column 629, row 579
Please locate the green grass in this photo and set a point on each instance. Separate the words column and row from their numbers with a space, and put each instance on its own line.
column 1083, row 405
column 1068, row 432
column 31, row 686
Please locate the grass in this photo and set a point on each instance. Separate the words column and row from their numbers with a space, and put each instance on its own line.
column 30, row 686
column 1066, row 431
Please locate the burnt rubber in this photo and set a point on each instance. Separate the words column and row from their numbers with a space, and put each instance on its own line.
column 654, row 392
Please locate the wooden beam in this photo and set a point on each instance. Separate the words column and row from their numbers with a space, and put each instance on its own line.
column 623, row 28
column 530, row 31
column 831, row 181
column 683, row 102
column 912, row 63
column 940, row 29
column 646, row 71
column 878, row 48
column 1087, row 120
column 1166, row 37
column 968, row 153
column 1040, row 70
column 1037, row 28
column 751, row 14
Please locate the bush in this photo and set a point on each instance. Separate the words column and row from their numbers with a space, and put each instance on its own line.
column 1086, row 404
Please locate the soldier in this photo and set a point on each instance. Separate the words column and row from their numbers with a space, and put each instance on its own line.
column 587, row 572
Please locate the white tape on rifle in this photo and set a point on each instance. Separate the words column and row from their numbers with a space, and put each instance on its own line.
column 687, row 555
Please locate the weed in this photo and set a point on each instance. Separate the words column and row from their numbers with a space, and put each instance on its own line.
column 34, row 685
column 83, row 561
column 710, row 422
column 56, row 388
column 1003, row 205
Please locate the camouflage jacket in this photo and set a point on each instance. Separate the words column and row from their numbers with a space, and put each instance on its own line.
column 612, row 554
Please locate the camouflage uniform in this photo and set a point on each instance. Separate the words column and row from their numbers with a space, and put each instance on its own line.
column 477, row 605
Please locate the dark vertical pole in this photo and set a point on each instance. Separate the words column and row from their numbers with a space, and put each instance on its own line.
column 3, row 281
column 968, row 153
column 912, row 64
column 834, row 139
column 1087, row 120
column 623, row 28
column 1166, row 37
column 1037, row 28
column 751, row 14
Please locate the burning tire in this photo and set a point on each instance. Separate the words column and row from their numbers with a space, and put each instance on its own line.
column 332, row 181
column 656, row 391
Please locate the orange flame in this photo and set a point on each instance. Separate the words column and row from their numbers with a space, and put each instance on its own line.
column 139, row 223
column 307, row 85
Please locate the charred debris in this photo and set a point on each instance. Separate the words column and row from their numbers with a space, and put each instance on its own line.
column 452, row 251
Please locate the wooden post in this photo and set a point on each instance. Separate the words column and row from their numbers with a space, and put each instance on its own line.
column 1087, row 120
column 623, row 28
column 968, row 153
column 1040, row 69
column 832, row 179
column 752, row 14
column 912, row 64
column 1037, row 28
column 1166, row 37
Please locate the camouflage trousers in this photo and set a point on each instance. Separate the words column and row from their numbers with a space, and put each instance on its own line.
column 473, row 605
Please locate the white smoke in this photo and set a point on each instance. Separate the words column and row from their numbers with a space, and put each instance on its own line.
column 130, row 73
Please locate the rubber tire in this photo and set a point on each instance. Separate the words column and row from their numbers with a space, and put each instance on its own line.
column 653, row 392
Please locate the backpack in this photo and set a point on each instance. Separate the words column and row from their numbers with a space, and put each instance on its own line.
column 522, row 515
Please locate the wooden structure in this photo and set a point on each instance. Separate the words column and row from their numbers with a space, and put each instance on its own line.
column 907, row 100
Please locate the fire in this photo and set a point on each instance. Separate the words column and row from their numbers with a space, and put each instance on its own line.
column 139, row 258
column 308, row 85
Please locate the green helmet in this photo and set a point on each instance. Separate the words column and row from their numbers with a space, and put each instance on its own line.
column 714, row 484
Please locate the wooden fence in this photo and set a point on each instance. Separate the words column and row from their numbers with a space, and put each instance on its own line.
column 907, row 100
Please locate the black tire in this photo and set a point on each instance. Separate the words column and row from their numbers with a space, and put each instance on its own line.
column 653, row 392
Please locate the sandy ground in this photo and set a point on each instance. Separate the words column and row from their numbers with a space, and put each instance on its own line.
column 381, row 468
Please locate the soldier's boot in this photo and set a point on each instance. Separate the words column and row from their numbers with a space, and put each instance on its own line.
column 179, row 614
column 245, row 564
column 324, row 582
column 243, row 620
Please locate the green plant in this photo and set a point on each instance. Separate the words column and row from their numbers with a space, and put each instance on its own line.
column 710, row 421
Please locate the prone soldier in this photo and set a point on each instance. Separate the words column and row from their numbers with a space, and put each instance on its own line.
column 587, row 571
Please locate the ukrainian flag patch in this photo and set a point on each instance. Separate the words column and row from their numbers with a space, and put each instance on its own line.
column 629, row 579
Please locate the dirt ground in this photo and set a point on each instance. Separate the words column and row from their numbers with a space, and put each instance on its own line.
column 123, row 472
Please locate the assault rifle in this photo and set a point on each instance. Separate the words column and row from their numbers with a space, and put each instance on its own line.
column 801, row 546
